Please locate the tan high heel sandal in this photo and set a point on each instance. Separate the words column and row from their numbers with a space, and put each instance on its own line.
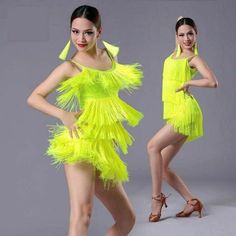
column 197, row 206
column 162, row 199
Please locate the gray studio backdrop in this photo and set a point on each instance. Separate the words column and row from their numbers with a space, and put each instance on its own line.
column 33, row 197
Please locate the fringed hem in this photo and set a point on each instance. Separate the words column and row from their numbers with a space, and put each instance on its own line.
column 100, row 154
column 186, row 118
column 191, row 135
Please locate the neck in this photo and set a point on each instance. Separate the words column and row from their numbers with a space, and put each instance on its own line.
column 187, row 50
column 92, row 52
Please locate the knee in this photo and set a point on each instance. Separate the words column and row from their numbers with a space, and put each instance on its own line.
column 81, row 215
column 152, row 147
column 127, row 223
column 132, row 219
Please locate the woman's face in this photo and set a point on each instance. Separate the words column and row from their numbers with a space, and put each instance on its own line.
column 186, row 37
column 84, row 34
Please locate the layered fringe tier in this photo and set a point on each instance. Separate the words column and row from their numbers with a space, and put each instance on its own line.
column 186, row 117
column 99, row 153
column 96, row 84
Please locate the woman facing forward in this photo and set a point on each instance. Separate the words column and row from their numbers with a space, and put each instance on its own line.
column 182, row 114
column 85, row 144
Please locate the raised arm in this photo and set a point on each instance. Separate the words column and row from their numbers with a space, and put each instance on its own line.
column 208, row 77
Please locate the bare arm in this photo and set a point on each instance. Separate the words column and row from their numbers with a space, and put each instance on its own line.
column 208, row 77
column 37, row 99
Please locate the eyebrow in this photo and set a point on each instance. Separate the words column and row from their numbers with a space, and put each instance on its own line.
column 84, row 30
column 186, row 32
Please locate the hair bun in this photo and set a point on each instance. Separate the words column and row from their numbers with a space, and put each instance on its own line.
column 180, row 17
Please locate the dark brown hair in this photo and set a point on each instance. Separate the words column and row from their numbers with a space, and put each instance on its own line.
column 185, row 21
column 88, row 12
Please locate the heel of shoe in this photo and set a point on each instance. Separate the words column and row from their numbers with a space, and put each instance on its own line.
column 165, row 205
column 162, row 199
column 197, row 207
column 200, row 208
column 200, row 213
column 165, row 197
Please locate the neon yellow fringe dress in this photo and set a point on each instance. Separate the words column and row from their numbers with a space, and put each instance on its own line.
column 180, row 109
column 101, row 133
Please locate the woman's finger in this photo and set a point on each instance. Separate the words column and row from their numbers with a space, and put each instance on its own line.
column 179, row 89
column 79, row 129
column 71, row 133
column 76, row 133
column 77, row 114
column 74, row 130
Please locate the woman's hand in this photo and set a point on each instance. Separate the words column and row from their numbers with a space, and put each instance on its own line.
column 69, row 120
column 184, row 88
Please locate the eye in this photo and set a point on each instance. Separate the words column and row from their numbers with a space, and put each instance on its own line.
column 89, row 32
column 75, row 31
column 181, row 35
column 190, row 33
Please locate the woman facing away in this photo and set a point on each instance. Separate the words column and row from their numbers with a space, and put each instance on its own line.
column 183, row 117
column 86, row 142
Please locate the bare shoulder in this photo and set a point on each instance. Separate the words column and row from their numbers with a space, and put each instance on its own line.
column 196, row 61
column 61, row 72
column 66, row 69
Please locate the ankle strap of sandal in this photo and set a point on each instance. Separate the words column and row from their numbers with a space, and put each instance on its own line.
column 193, row 199
column 160, row 197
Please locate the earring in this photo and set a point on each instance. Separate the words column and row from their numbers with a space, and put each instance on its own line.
column 178, row 51
column 114, row 50
column 65, row 51
column 195, row 49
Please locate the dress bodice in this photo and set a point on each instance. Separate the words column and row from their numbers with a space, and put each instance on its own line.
column 94, row 83
column 175, row 73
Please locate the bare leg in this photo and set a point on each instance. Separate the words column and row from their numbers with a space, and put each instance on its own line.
column 81, row 179
column 173, row 179
column 169, row 175
column 116, row 201
column 163, row 138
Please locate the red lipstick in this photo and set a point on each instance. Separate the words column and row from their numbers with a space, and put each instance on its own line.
column 82, row 45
